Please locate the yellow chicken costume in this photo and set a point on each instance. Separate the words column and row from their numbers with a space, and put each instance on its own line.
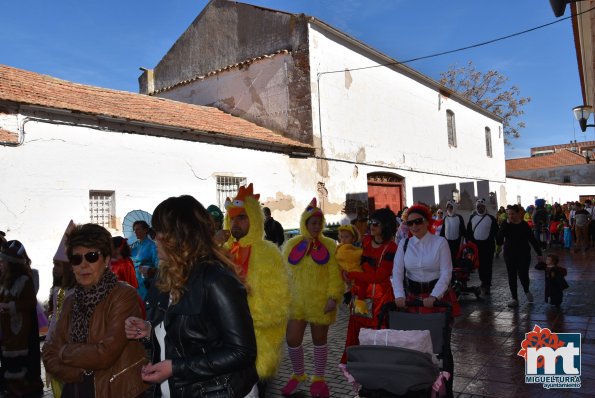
column 349, row 258
column 314, row 273
column 315, row 281
column 266, row 279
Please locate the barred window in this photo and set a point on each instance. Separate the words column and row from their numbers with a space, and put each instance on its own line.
column 102, row 208
column 227, row 187
column 451, row 128
column 488, row 134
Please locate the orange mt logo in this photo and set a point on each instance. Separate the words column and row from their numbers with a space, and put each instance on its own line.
column 552, row 359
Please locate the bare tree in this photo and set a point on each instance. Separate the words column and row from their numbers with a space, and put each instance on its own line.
column 488, row 90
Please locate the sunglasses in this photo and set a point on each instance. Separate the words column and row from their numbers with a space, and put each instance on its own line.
column 374, row 223
column 417, row 221
column 91, row 257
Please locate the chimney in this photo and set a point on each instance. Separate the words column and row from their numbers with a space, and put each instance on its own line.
column 146, row 81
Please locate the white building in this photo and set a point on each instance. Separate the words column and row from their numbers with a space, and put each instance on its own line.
column 384, row 134
column 71, row 151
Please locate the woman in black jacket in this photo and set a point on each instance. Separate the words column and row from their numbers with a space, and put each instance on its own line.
column 516, row 235
column 199, row 327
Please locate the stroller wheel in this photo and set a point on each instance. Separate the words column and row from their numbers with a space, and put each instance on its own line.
column 477, row 292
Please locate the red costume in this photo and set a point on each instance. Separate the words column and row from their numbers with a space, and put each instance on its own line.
column 376, row 275
column 124, row 270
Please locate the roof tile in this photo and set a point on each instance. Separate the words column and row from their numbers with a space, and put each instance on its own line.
column 31, row 88
column 561, row 158
column 8, row 136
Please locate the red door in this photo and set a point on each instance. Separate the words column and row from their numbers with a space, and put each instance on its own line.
column 382, row 195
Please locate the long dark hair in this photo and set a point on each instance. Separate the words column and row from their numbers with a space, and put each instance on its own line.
column 388, row 220
column 121, row 246
column 186, row 233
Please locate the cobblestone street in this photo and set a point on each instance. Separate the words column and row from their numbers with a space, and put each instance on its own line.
column 487, row 337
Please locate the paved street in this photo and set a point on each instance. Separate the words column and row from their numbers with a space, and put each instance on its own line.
column 487, row 337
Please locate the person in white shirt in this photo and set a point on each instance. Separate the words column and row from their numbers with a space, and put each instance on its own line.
column 423, row 262
column 481, row 230
column 422, row 267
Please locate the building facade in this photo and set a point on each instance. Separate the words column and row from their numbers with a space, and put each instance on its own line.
column 383, row 133
column 71, row 151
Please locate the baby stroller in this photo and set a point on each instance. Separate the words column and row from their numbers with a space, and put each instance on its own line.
column 467, row 261
column 388, row 372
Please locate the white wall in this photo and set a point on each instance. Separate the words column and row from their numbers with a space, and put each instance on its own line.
column 381, row 116
column 531, row 190
column 46, row 181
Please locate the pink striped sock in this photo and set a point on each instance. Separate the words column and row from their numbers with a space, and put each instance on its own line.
column 296, row 355
column 320, row 358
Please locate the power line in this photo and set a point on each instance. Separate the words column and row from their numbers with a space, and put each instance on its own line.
column 461, row 48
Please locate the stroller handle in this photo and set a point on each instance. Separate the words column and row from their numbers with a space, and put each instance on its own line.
column 392, row 306
column 418, row 302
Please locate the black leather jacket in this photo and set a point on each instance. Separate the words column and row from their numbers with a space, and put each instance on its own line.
column 209, row 332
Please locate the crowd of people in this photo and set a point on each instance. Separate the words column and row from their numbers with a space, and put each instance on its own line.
column 204, row 307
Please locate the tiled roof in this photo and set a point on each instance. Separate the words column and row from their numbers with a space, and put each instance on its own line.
column 581, row 144
column 31, row 88
column 8, row 136
column 561, row 158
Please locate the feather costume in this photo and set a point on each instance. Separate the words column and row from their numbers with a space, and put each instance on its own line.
column 314, row 273
column 266, row 280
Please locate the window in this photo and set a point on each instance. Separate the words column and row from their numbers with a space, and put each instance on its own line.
column 227, row 187
column 488, row 142
column 102, row 208
column 566, row 179
column 451, row 128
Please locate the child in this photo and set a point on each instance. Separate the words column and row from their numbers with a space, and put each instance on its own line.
column 349, row 259
column 567, row 235
column 555, row 284
column 122, row 264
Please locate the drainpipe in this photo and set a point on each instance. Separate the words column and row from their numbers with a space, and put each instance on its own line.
column 21, row 140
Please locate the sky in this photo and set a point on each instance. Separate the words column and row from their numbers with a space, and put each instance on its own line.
column 103, row 43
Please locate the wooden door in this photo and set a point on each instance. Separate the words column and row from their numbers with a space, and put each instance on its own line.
column 382, row 195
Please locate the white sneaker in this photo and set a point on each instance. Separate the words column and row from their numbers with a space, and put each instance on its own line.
column 529, row 297
column 513, row 303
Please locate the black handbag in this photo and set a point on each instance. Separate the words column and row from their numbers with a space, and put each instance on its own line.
column 84, row 389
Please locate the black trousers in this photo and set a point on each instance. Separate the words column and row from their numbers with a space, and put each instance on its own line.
column 517, row 265
column 486, row 250
column 454, row 245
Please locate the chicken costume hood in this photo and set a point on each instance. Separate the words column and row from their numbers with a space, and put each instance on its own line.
column 266, row 277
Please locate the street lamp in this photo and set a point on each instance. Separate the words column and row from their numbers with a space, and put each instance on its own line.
column 582, row 113
column 559, row 6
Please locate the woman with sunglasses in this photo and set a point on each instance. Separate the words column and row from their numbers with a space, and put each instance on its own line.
column 373, row 283
column 89, row 350
column 200, row 329
column 423, row 261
